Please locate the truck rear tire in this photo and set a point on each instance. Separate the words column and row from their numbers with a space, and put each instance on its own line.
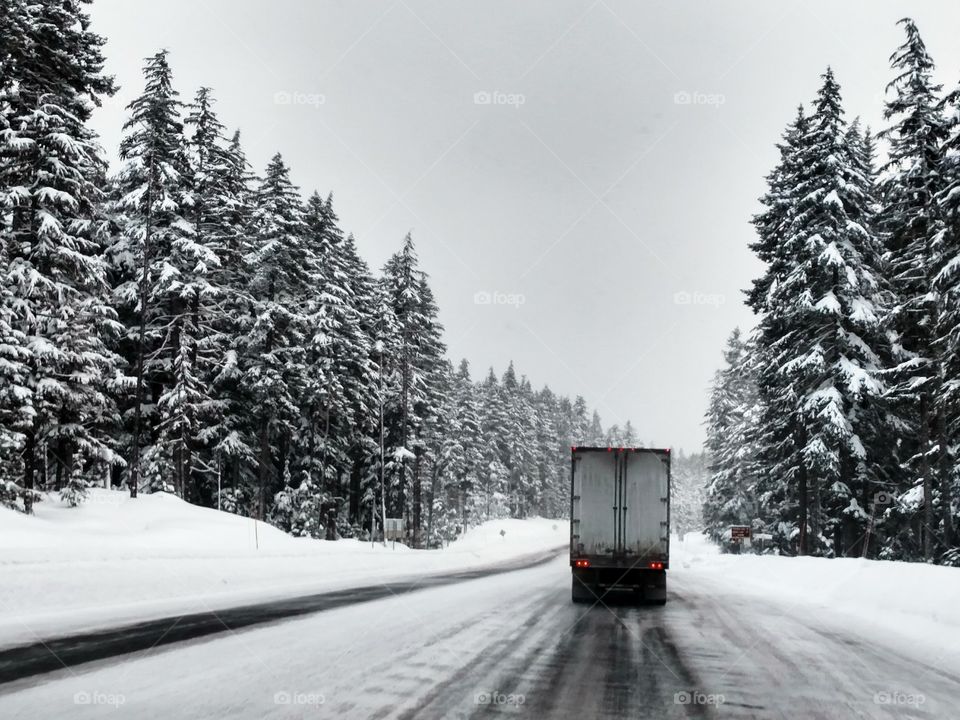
column 580, row 593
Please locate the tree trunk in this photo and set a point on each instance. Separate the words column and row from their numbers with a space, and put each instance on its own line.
column 802, row 493
column 417, row 507
column 57, row 473
column 925, row 470
column 433, row 493
column 190, row 480
column 354, row 492
column 29, row 470
column 946, row 470
column 64, row 461
column 404, row 414
column 264, row 469
column 141, row 339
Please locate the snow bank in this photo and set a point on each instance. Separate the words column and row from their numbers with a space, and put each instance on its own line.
column 908, row 605
column 115, row 560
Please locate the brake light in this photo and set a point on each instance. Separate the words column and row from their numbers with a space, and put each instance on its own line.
column 656, row 566
column 581, row 563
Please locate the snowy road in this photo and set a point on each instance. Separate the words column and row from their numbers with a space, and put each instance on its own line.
column 513, row 645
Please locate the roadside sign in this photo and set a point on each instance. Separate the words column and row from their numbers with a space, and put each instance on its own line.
column 393, row 529
column 739, row 532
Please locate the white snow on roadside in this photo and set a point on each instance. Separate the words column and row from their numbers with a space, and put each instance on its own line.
column 913, row 607
column 115, row 560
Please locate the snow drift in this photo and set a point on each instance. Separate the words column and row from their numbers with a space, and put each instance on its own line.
column 115, row 560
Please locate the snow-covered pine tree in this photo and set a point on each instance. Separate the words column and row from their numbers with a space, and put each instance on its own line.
column 281, row 269
column 879, row 425
column 153, row 250
column 782, row 483
column 363, row 381
column 337, row 358
column 190, row 411
column 911, row 183
column 528, row 488
column 53, row 305
column 779, row 206
column 432, row 369
column 444, row 453
column 729, row 498
column 947, row 333
column 515, row 428
column 580, row 422
column 233, row 432
column 830, row 311
column 416, row 365
column 552, row 501
column 689, row 477
column 382, row 469
column 595, row 434
column 566, row 439
column 467, row 467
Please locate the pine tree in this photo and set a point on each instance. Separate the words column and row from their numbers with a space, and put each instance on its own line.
column 947, row 333
column 189, row 410
column 827, row 309
column 467, row 467
column 232, row 432
column 730, row 495
column 416, row 367
column 375, row 323
column 688, row 478
column 337, row 354
column 595, row 432
column 782, row 485
column 779, row 208
column 156, row 245
column 912, row 182
column 281, row 270
column 53, row 308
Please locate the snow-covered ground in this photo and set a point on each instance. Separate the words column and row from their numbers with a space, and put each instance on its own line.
column 905, row 605
column 514, row 645
column 115, row 560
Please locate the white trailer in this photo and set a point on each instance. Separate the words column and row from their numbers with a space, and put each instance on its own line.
column 620, row 523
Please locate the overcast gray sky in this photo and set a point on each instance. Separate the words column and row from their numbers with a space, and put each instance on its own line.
column 591, row 166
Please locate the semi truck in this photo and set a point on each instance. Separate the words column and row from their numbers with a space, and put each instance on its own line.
column 620, row 523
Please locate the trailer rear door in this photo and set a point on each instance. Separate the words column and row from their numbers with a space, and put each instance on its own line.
column 645, row 506
column 594, row 509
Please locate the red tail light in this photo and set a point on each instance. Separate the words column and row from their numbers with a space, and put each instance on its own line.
column 581, row 563
column 656, row 566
